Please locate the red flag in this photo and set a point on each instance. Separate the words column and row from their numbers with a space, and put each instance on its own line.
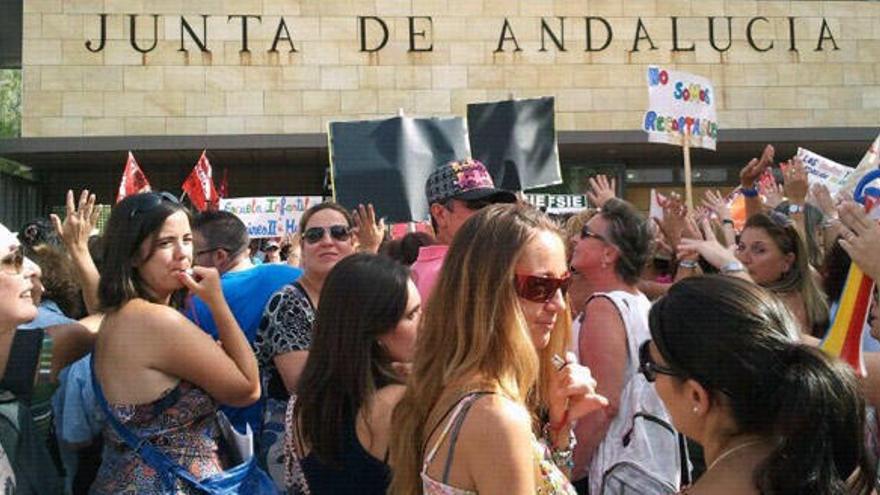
column 133, row 180
column 223, row 189
column 199, row 185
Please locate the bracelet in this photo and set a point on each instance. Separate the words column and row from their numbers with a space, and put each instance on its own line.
column 749, row 192
column 727, row 221
column 689, row 264
column 563, row 458
column 732, row 267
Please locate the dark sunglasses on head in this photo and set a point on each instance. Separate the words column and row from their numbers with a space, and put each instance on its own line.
column 541, row 289
column 13, row 262
column 314, row 235
column 148, row 201
column 649, row 368
column 587, row 233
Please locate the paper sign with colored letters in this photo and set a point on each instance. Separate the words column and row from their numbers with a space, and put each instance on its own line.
column 516, row 140
column 824, row 171
column 270, row 216
column 387, row 162
column 680, row 103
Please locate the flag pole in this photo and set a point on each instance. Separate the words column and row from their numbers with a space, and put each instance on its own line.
column 688, row 186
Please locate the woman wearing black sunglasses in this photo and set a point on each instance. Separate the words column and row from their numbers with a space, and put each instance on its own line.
column 609, row 253
column 485, row 384
column 773, row 416
column 285, row 333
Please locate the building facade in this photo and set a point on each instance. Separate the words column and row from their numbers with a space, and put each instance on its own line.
column 257, row 81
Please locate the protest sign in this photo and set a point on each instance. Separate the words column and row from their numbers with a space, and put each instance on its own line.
column 558, row 203
column 824, row 171
column 516, row 140
column 680, row 103
column 869, row 163
column 387, row 162
column 681, row 110
column 270, row 216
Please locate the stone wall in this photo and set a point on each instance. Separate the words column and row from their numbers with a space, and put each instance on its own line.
column 70, row 90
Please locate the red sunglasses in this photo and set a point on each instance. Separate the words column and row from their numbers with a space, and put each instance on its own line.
column 540, row 289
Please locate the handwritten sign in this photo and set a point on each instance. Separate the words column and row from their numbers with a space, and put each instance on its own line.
column 558, row 203
column 824, row 171
column 270, row 216
column 680, row 103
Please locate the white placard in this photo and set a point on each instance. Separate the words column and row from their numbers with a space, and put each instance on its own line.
column 270, row 216
column 824, row 171
column 679, row 102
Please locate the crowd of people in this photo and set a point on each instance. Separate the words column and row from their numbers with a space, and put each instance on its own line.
column 509, row 352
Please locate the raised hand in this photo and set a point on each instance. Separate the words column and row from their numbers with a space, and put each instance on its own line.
column 601, row 190
column 369, row 233
column 79, row 222
column 756, row 166
column 715, row 202
column 860, row 238
column 796, row 183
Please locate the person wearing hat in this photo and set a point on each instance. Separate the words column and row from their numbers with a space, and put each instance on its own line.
column 273, row 251
column 455, row 191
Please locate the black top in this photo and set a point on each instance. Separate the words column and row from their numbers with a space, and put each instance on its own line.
column 358, row 471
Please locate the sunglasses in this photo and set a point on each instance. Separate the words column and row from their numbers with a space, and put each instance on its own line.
column 587, row 233
column 149, row 201
column 649, row 368
column 13, row 263
column 540, row 289
column 313, row 235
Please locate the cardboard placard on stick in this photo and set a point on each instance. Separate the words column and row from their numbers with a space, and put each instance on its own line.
column 681, row 110
column 386, row 162
column 516, row 140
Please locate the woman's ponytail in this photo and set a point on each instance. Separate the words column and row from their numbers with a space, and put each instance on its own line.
column 820, row 446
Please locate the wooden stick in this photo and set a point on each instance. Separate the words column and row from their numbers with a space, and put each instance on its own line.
column 688, row 187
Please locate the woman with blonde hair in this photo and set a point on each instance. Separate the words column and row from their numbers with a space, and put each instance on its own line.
column 486, row 383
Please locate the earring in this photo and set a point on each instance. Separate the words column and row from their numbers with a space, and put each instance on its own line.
column 696, row 409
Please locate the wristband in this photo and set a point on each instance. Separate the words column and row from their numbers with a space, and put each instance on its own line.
column 749, row 192
column 727, row 221
column 690, row 264
column 732, row 267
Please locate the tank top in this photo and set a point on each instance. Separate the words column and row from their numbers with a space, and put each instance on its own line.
column 549, row 478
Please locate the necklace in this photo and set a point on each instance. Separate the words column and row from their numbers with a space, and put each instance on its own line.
column 730, row 452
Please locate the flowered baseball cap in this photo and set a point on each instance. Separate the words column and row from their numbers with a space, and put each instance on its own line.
column 466, row 180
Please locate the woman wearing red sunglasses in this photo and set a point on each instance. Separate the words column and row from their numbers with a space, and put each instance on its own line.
column 487, row 382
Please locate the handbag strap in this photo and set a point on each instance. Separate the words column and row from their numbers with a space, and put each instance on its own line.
column 161, row 463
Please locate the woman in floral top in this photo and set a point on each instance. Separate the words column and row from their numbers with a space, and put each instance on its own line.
column 489, row 405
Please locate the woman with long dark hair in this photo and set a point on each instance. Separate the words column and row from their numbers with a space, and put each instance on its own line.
column 339, row 424
column 773, row 416
column 161, row 374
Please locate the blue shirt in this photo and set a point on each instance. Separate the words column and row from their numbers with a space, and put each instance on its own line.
column 246, row 292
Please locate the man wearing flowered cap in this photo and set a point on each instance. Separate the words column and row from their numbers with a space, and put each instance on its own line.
column 455, row 190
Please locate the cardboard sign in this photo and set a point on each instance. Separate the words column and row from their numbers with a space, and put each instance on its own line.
column 824, row 171
column 680, row 103
column 270, row 216
column 387, row 162
column 869, row 162
column 559, row 203
column 516, row 140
